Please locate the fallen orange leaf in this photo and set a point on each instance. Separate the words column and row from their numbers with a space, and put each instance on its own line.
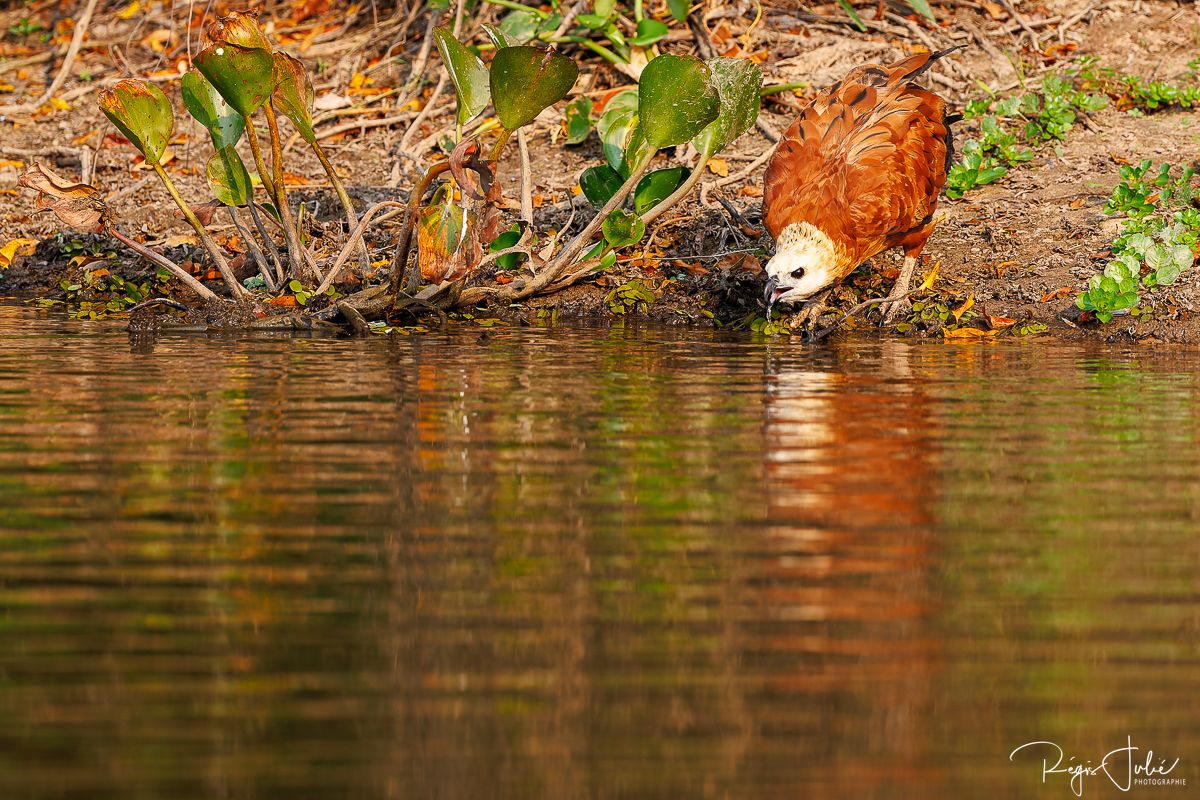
column 286, row 300
column 999, row 323
column 16, row 247
column 1055, row 294
column 719, row 166
column 964, row 308
column 968, row 333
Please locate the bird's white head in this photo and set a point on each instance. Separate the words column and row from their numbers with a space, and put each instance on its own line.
column 805, row 262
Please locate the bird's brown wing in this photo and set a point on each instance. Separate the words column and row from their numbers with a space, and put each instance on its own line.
column 864, row 162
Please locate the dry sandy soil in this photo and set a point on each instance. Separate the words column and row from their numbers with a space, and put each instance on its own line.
column 1009, row 245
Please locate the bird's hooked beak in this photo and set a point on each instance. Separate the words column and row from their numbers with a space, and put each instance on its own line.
column 773, row 291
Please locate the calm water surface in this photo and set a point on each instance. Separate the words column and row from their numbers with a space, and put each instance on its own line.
column 589, row 563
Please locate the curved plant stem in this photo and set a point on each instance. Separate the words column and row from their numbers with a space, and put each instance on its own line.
column 259, row 163
column 235, row 286
column 296, row 263
column 777, row 88
column 364, row 258
column 355, row 239
column 260, row 258
column 268, row 243
column 579, row 242
column 164, row 262
column 683, row 191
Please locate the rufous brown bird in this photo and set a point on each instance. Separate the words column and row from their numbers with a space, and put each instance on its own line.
column 859, row 172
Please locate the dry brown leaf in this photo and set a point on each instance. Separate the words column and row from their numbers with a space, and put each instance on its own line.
column 999, row 323
column 1054, row 294
column 76, row 204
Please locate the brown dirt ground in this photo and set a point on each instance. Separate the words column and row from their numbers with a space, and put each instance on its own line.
column 1008, row 245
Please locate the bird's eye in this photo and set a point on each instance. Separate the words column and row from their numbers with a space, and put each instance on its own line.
column 798, row 273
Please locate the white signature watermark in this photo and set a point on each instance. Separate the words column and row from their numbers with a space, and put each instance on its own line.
column 1120, row 766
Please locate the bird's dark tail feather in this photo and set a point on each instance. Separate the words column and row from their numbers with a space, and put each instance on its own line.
column 933, row 59
column 948, row 120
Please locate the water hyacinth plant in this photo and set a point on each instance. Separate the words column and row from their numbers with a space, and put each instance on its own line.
column 240, row 86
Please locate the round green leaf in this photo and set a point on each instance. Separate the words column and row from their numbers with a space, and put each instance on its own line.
column 623, row 228
column 579, row 120
column 679, row 9
column 468, row 73
column 738, row 83
column 228, row 178
column 244, row 76
column 527, row 80
column 599, row 184
column 505, row 240
column 676, row 100
column 649, row 31
column 519, row 27
column 142, row 113
column 592, row 21
column 294, row 94
column 657, row 186
column 205, row 103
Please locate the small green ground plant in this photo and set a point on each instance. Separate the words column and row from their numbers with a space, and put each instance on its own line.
column 1158, row 239
column 1011, row 127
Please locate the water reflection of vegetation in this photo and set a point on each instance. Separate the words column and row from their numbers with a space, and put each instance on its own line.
column 564, row 563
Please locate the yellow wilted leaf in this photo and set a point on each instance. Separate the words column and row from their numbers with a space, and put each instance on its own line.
column 9, row 163
column 16, row 247
column 719, row 166
column 930, row 279
column 7, row 87
column 159, row 40
column 60, row 104
column 179, row 240
column 129, row 10
column 964, row 308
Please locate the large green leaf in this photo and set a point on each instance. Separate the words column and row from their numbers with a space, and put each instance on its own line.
column 244, row 76
column 294, row 94
column 623, row 228
column 469, row 74
column 228, row 178
column 527, row 80
column 205, row 103
column 142, row 113
column 657, row 186
column 676, row 100
column 615, row 126
column 599, row 184
column 738, row 83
